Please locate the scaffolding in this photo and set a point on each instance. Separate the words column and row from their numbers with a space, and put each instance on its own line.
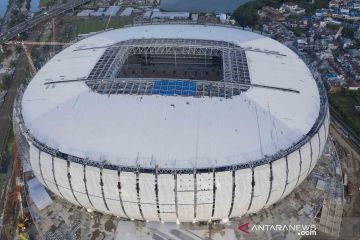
column 235, row 67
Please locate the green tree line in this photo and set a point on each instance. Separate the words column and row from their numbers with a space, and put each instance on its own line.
column 246, row 14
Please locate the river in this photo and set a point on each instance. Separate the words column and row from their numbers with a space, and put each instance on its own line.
column 3, row 7
column 216, row 6
column 34, row 6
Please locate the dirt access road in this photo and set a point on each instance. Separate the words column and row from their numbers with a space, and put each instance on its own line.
column 350, row 161
column 7, row 107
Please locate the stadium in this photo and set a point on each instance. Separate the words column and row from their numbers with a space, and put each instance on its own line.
column 173, row 123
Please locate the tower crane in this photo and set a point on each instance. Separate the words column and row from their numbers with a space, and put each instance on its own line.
column 28, row 56
column 33, row 43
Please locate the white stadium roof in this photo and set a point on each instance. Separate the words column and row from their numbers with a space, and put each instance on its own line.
column 172, row 131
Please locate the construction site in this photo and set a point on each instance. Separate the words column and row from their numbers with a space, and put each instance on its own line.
column 318, row 200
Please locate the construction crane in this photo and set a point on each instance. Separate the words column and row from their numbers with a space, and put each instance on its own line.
column 28, row 56
column 22, row 220
column 109, row 19
column 15, row 196
column 53, row 33
column 339, row 32
column 32, row 43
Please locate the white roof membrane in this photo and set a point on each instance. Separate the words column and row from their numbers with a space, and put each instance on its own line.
column 172, row 131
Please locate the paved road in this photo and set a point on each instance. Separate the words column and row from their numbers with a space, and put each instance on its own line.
column 6, row 108
column 351, row 163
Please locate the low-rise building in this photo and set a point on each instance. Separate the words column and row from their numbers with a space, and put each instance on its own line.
column 170, row 15
column 127, row 12
column 271, row 13
column 293, row 8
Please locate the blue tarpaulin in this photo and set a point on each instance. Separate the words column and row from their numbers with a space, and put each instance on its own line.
column 171, row 88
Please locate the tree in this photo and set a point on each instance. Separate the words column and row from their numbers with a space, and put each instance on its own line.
column 246, row 15
column 5, row 82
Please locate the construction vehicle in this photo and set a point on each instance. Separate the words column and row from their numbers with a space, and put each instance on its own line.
column 23, row 223
column 22, row 236
column 345, row 180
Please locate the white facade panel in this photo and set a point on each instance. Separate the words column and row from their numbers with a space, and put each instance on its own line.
column 293, row 171
column 77, row 181
column 166, row 185
column 243, row 190
column 34, row 161
column 168, row 216
column 279, row 180
column 111, row 192
column 60, row 170
column 47, row 170
column 204, row 196
column 115, row 208
column 305, row 161
column 261, row 188
column 185, row 194
column 94, row 188
column 322, row 137
column 315, row 150
column 327, row 123
column 129, row 195
column 223, row 196
column 148, row 196
column 181, row 188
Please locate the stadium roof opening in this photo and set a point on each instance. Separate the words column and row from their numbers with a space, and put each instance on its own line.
column 188, row 59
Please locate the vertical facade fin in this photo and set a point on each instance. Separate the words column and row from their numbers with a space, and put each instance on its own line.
column 252, row 187
column 70, row 184
column 214, row 193
column 53, row 172
column 271, row 183
column 297, row 182
column 120, row 195
column 157, row 193
column 195, row 193
column 287, row 177
column 176, row 197
column 138, row 193
column 41, row 172
column 318, row 134
column 102, row 189
column 233, row 193
column 311, row 157
column 85, row 184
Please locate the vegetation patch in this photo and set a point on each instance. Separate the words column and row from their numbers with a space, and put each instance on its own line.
column 2, row 179
column 94, row 25
column 4, row 82
column 45, row 3
column 246, row 15
column 343, row 103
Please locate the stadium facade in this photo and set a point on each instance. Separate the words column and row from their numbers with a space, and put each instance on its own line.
column 173, row 122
